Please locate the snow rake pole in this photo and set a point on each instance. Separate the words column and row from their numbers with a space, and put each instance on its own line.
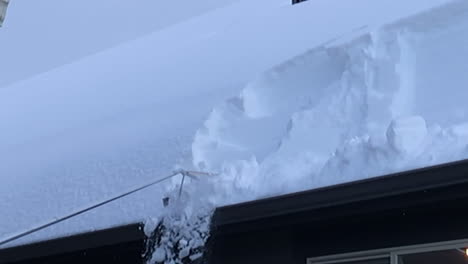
column 79, row 212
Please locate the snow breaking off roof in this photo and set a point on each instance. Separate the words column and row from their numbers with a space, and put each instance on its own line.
column 374, row 103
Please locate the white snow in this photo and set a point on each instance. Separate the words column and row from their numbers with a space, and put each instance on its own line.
column 405, row 135
column 345, row 110
column 159, row 255
column 314, row 94
column 176, row 236
column 41, row 35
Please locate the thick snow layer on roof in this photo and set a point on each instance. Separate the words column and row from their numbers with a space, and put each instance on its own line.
column 389, row 100
column 330, row 91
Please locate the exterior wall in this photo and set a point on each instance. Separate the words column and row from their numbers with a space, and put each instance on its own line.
column 3, row 8
column 269, row 246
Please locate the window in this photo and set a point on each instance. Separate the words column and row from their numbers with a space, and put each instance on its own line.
column 454, row 252
column 451, row 256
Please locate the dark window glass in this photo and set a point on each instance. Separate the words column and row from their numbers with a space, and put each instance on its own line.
column 368, row 261
column 453, row 256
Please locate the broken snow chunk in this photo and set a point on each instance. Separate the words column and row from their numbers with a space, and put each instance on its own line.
column 406, row 134
column 183, row 243
column 460, row 130
column 177, row 237
column 159, row 255
column 185, row 252
column 195, row 256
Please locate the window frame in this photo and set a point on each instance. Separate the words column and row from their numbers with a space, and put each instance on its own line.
column 391, row 253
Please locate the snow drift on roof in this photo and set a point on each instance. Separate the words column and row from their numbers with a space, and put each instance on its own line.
column 386, row 101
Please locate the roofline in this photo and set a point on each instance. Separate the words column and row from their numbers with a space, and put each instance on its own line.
column 446, row 182
column 83, row 241
column 392, row 185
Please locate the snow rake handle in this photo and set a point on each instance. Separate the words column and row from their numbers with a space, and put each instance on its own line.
column 79, row 212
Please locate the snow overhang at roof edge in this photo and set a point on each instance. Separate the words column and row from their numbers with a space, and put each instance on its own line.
column 423, row 180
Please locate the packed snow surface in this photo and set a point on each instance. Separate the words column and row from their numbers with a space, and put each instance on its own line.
column 273, row 98
column 388, row 100
column 40, row 35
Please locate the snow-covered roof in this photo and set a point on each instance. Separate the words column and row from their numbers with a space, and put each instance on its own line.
column 274, row 98
column 43, row 35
